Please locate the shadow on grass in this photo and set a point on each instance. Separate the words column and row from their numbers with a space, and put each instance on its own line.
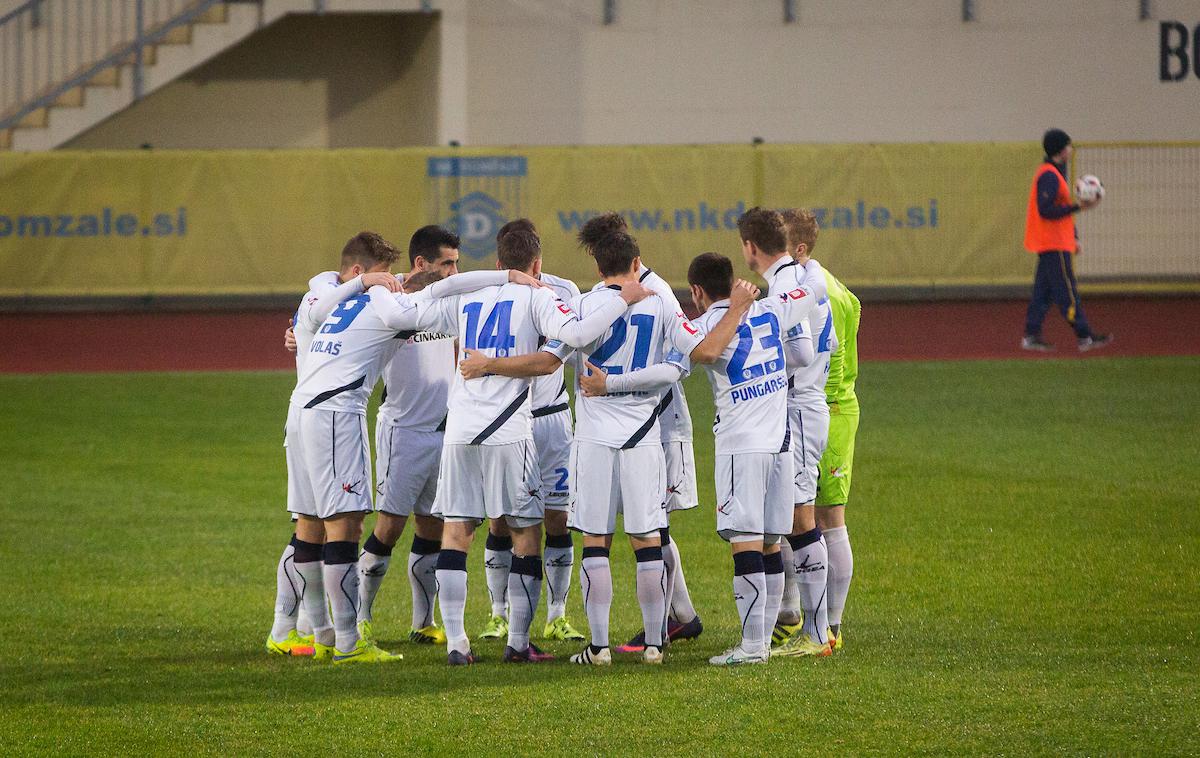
column 252, row 677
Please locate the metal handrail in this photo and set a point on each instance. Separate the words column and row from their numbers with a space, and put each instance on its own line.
column 113, row 59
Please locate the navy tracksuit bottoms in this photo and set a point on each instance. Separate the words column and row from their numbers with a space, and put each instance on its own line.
column 1055, row 283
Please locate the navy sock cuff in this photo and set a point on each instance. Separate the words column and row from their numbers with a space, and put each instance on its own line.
column 500, row 542
column 527, row 565
column 800, row 541
column 292, row 541
column 339, row 553
column 307, row 552
column 644, row 554
column 559, row 540
column 452, row 560
column 595, row 552
column 373, row 545
column 422, row 546
column 747, row 562
column 773, row 563
column 664, row 535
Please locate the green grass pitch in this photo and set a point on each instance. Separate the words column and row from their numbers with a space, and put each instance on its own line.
column 1026, row 537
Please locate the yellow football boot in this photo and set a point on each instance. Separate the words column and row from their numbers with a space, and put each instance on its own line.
column 365, row 652
column 293, row 644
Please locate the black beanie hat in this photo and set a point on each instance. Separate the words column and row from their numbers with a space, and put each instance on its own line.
column 1054, row 140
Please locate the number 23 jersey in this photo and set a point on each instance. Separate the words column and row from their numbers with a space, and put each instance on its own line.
column 749, row 381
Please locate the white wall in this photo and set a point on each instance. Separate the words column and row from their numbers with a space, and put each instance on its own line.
column 549, row 72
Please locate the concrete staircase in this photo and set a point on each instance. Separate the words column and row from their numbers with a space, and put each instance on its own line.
column 70, row 110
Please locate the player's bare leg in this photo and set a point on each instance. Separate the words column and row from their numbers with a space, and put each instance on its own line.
column 595, row 581
column 310, row 546
column 457, row 535
column 497, row 562
column 832, row 520
column 524, row 591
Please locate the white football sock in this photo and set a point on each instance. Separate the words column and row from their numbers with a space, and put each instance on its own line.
column 524, row 590
column 304, row 625
column 288, row 586
column 341, row 583
column 749, row 593
column 422, row 577
column 789, row 607
column 652, row 593
column 373, row 564
column 497, row 561
column 452, row 597
column 670, row 564
column 681, row 601
column 559, row 563
column 841, row 571
column 314, row 606
column 595, row 579
column 774, row 582
column 810, row 561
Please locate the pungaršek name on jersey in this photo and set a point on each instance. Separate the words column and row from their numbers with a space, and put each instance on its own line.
column 762, row 389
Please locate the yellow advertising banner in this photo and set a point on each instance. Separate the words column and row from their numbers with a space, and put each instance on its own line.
column 262, row 222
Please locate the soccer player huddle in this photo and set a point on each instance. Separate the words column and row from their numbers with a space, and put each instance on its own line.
column 475, row 426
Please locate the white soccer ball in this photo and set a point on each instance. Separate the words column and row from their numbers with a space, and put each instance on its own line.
column 1089, row 188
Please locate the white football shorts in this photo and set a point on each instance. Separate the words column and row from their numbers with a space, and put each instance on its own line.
column 607, row 481
column 754, row 494
column 328, row 461
column 489, row 481
column 406, row 469
column 809, row 425
column 552, row 438
column 681, row 476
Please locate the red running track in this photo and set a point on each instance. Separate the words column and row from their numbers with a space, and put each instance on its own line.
column 253, row 340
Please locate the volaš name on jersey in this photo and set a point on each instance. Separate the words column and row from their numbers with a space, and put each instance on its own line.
column 326, row 346
column 761, row 389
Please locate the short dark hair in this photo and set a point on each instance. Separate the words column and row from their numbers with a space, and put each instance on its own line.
column 713, row 273
column 518, row 249
column 522, row 224
column 422, row 279
column 368, row 249
column 596, row 229
column 764, row 228
column 428, row 241
column 800, row 225
column 615, row 253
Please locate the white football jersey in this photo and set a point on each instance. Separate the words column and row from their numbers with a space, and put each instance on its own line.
column 301, row 323
column 651, row 331
column 499, row 321
column 347, row 354
column 675, row 424
column 417, row 381
column 807, row 383
column 549, row 391
column 749, row 381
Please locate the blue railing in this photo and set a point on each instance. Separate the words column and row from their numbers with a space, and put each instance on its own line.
column 50, row 47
